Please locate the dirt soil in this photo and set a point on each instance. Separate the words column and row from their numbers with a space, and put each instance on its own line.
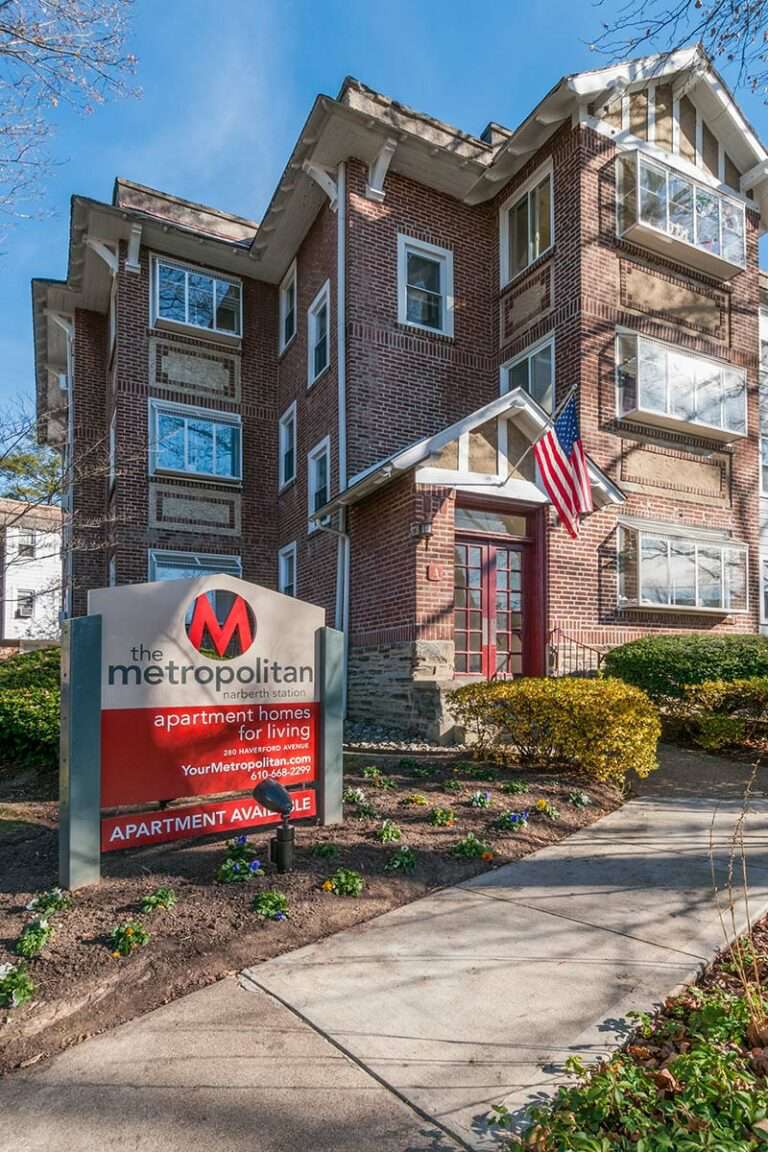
column 81, row 989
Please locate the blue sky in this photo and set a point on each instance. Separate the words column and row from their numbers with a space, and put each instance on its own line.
column 228, row 86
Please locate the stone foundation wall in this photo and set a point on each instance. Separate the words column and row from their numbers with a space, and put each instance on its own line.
column 402, row 686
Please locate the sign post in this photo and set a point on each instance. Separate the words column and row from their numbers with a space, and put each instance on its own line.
column 193, row 689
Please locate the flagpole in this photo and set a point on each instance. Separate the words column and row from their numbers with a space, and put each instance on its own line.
column 547, row 426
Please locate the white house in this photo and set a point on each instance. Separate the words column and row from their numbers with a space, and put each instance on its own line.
column 30, row 572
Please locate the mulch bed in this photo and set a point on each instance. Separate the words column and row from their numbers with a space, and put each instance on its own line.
column 212, row 931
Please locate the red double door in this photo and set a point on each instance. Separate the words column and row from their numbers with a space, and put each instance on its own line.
column 496, row 609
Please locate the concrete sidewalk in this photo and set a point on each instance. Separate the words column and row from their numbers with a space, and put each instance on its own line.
column 398, row 1035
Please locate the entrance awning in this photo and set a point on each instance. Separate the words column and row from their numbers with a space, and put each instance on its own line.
column 430, row 459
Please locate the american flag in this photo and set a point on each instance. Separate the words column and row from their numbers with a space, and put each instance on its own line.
column 563, row 466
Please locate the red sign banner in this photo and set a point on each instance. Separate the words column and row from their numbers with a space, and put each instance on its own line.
column 139, row 829
column 168, row 753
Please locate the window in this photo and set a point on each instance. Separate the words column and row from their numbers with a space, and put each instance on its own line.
column 288, row 308
column 319, row 334
column 319, row 479
column 660, row 569
column 286, row 570
column 195, row 441
column 655, row 199
column 287, row 447
column 26, row 543
column 25, row 604
column 424, row 286
column 197, row 298
column 657, row 379
column 185, row 565
column 534, row 371
column 764, row 588
column 527, row 225
column 113, row 450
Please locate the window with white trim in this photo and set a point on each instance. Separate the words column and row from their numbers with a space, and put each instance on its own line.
column 287, row 306
column 763, row 402
column 196, row 298
column 26, row 543
column 665, row 570
column 527, row 224
column 424, row 285
column 319, row 475
column 186, row 565
column 286, row 570
column 195, row 441
column 287, row 446
column 25, row 604
column 534, row 371
column 662, row 380
column 319, row 334
column 764, row 588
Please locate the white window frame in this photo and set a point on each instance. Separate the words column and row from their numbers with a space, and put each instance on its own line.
column 672, row 348
column 18, row 594
column 187, row 325
column 191, row 412
column 525, row 189
column 696, row 537
column 32, row 534
column 205, row 561
column 442, row 256
column 532, row 350
column 322, row 448
column 287, row 552
column 290, row 279
column 763, row 585
column 322, row 297
column 287, row 419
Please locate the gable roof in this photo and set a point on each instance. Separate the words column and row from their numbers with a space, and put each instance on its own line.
column 516, row 406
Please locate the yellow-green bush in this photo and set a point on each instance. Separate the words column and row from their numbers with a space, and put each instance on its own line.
column 602, row 728
column 719, row 713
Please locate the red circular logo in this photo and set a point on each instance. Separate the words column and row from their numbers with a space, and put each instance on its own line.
column 221, row 624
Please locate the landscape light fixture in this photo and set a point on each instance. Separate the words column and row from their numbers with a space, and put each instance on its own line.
column 272, row 796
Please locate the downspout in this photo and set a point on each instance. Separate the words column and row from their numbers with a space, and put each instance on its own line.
column 343, row 551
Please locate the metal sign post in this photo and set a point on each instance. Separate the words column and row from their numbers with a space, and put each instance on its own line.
column 80, row 753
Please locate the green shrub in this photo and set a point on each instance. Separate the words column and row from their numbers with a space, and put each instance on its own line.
column 719, row 713
column 29, row 727
column 599, row 727
column 663, row 665
column 40, row 669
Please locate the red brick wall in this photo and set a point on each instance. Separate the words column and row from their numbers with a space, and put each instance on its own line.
column 89, row 483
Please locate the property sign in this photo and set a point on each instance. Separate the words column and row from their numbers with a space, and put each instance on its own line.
column 208, row 685
column 185, row 689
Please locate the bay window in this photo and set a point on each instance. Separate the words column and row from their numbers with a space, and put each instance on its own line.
column 659, row 384
column 666, row 211
column 664, row 569
column 196, row 298
column 195, row 441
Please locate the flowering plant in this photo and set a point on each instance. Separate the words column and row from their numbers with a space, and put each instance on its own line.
column 471, row 848
column 357, row 798
column 442, row 817
column 548, row 809
column 53, row 900
column 16, row 985
column 271, row 905
column 344, row 882
column 480, row 800
column 34, row 937
column 416, row 798
column 235, row 870
column 403, row 859
column 160, row 898
column 126, row 938
column 388, row 833
column 579, row 799
column 512, row 821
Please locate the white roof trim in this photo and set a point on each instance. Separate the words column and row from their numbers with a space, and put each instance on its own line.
column 587, row 84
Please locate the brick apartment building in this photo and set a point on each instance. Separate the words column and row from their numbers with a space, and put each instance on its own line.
column 340, row 401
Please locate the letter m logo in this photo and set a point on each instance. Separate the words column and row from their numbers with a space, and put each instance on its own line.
column 221, row 624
